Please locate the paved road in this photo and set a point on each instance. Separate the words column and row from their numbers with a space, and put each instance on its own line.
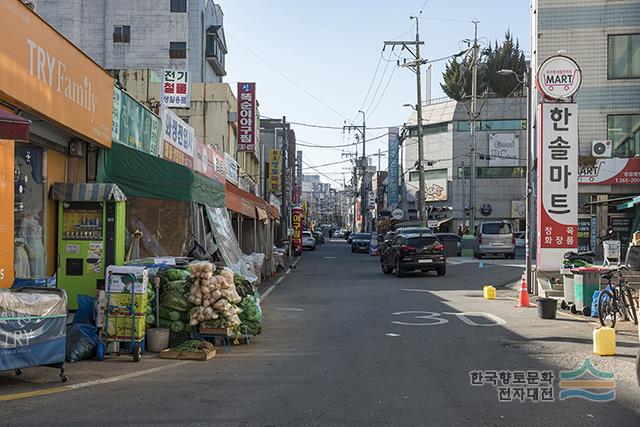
column 330, row 355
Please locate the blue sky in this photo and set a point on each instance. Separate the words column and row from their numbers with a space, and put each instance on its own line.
column 331, row 49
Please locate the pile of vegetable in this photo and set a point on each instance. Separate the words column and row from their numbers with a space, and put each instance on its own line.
column 251, row 317
column 174, row 293
column 214, row 297
column 151, row 314
column 193, row 346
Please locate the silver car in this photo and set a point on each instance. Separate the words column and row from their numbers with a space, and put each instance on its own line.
column 495, row 238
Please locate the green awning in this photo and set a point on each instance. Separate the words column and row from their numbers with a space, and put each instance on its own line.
column 140, row 174
column 629, row 204
column 86, row 192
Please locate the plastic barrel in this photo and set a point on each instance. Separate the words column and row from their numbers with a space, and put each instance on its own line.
column 157, row 339
column 547, row 308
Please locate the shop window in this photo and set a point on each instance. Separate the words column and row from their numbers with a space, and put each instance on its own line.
column 493, row 125
column 414, row 176
column 178, row 50
column 178, row 6
column 121, row 34
column 29, row 239
column 493, row 172
column 624, row 132
column 431, row 129
column 623, row 56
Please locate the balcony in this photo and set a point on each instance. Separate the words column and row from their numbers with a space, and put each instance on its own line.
column 215, row 53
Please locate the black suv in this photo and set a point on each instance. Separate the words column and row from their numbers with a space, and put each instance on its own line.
column 414, row 251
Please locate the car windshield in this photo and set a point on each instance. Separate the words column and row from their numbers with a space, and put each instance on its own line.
column 496, row 228
column 362, row 236
column 421, row 241
column 306, row 234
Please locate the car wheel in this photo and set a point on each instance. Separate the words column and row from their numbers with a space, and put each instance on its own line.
column 399, row 271
column 441, row 270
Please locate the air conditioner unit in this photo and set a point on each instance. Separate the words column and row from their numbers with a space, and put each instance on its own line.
column 601, row 148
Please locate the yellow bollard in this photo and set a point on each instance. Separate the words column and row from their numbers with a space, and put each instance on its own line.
column 604, row 341
column 489, row 292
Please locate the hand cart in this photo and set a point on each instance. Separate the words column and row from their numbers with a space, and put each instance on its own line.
column 611, row 251
column 124, row 320
column 33, row 329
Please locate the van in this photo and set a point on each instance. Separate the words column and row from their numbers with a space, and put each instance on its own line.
column 495, row 238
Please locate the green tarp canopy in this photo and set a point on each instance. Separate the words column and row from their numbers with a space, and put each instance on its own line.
column 140, row 174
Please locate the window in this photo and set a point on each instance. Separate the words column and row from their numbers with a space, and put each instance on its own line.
column 623, row 56
column 428, row 129
column 121, row 34
column 178, row 50
column 494, row 172
column 178, row 6
column 624, row 132
column 414, row 176
column 493, row 125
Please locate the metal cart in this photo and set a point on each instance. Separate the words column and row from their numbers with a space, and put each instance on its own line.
column 33, row 329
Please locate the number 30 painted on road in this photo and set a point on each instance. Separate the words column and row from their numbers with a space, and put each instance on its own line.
column 436, row 318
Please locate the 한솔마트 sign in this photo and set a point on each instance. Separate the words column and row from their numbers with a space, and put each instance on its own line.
column 559, row 77
column 557, row 183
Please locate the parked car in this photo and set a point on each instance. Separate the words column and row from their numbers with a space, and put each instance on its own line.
column 308, row 241
column 349, row 236
column 520, row 238
column 414, row 251
column 386, row 240
column 451, row 241
column 495, row 238
column 360, row 242
column 319, row 237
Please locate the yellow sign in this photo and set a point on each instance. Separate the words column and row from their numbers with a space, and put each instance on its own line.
column 44, row 73
column 274, row 170
column 6, row 214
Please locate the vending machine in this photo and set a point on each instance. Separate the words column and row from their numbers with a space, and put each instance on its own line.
column 91, row 236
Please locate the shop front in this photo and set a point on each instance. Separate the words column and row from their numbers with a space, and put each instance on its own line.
column 56, row 110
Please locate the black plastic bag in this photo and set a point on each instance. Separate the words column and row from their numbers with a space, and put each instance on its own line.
column 82, row 340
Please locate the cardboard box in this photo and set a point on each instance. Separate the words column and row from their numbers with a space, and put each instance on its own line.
column 116, row 279
column 119, row 327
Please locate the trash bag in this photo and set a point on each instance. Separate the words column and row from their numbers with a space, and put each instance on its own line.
column 82, row 340
column 594, row 304
column 86, row 310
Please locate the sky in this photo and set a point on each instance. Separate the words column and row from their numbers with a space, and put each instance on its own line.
column 319, row 63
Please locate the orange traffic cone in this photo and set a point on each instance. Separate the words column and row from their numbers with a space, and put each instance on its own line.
column 523, row 301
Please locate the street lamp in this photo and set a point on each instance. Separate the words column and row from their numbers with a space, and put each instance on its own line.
column 525, row 81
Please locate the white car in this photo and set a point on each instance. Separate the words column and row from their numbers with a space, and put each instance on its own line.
column 308, row 241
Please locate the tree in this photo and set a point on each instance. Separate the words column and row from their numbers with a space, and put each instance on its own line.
column 507, row 56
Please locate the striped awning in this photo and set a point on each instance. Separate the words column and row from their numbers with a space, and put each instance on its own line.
column 89, row 192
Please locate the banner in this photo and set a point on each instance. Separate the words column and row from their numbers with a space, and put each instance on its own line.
column 392, row 177
column 503, row 149
column 557, row 183
column 178, row 139
column 174, row 91
column 436, row 190
column 518, row 209
column 296, row 224
column 134, row 125
column 231, row 169
column 218, row 166
column 246, row 116
column 274, row 170
column 611, row 171
column 204, row 161
column 6, row 213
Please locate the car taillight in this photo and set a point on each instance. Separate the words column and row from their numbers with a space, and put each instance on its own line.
column 438, row 247
column 407, row 248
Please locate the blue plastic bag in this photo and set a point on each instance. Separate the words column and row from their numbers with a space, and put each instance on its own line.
column 85, row 312
column 594, row 304
column 82, row 340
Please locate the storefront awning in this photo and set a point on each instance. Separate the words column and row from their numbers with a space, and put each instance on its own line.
column 262, row 214
column 91, row 192
column 245, row 203
column 13, row 126
column 143, row 175
column 629, row 204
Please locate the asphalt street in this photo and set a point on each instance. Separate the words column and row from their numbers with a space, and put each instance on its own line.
column 344, row 344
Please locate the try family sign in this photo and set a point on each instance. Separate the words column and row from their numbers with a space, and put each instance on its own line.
column 559, row 78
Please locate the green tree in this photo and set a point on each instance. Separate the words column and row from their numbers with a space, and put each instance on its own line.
column 506, row 56
column 457, row 77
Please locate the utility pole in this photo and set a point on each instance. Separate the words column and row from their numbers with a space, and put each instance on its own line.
column 363, row 190
column 284, row 212
column 415, row 67
column 473, row 116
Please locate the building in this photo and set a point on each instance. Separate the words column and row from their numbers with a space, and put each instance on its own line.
column 500, row 163
column 604, row 39
column 122, row 34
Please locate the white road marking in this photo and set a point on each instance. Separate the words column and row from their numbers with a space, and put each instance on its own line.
column 423, row 315
column 415, row 290
column 125, row 376
column 465, row 319
column 289, row 309
column 329, row 257
column 391, row 334
column 266, row 294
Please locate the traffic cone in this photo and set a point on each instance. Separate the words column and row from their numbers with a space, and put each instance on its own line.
column 523, row 301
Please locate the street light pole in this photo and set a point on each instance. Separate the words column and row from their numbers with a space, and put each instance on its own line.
column 473, row 114
column 421, row 185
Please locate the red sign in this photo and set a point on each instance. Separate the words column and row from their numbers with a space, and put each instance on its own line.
column 246, row 116
column 296, row 224
column 203, row 161
column 611, row 171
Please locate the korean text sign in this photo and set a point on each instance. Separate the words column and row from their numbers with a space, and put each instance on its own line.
column 557, row 183
column 274, row 170
column 296, row 223
column 175, row 89
column 178, row 139
column 246, row 116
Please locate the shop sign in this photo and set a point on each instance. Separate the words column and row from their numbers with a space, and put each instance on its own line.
column 134, row 125
column 611, row 171
column 231, row 169
column 518, row 209
column 557, row 183
column 503, row 149
column 299, row 166
column 45, row 74
column 204, row 162
column 559, row 78
column 393, row 181
column 296, row 224
column 246, row 116
column 178, row 139
column 6, row 213
column 175, row 89
column 274, row 170
column 436, row 190
column 218, row 166
column 584, row 234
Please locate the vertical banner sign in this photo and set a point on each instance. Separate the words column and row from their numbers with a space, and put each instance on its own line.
column 274, row 171
column 178, row 139
column 175, row 89
column 393, row 184
column 246, row 116
column 231, row 169
column 296, row 224
column 557, row 183
column 6, row 213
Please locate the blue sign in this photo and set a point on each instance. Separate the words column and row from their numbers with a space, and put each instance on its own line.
column 394, row 161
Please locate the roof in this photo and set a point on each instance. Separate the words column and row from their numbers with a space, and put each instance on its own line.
column 435, row 113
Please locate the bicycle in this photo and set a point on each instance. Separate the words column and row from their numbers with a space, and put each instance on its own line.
column 614, row 299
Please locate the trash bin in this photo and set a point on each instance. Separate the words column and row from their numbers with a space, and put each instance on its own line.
column 547, row 308
column 586, row 280
column 568, row 285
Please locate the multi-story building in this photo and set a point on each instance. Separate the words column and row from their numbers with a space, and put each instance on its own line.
column 123, row 34
column 500, row 162
column 603, row 37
